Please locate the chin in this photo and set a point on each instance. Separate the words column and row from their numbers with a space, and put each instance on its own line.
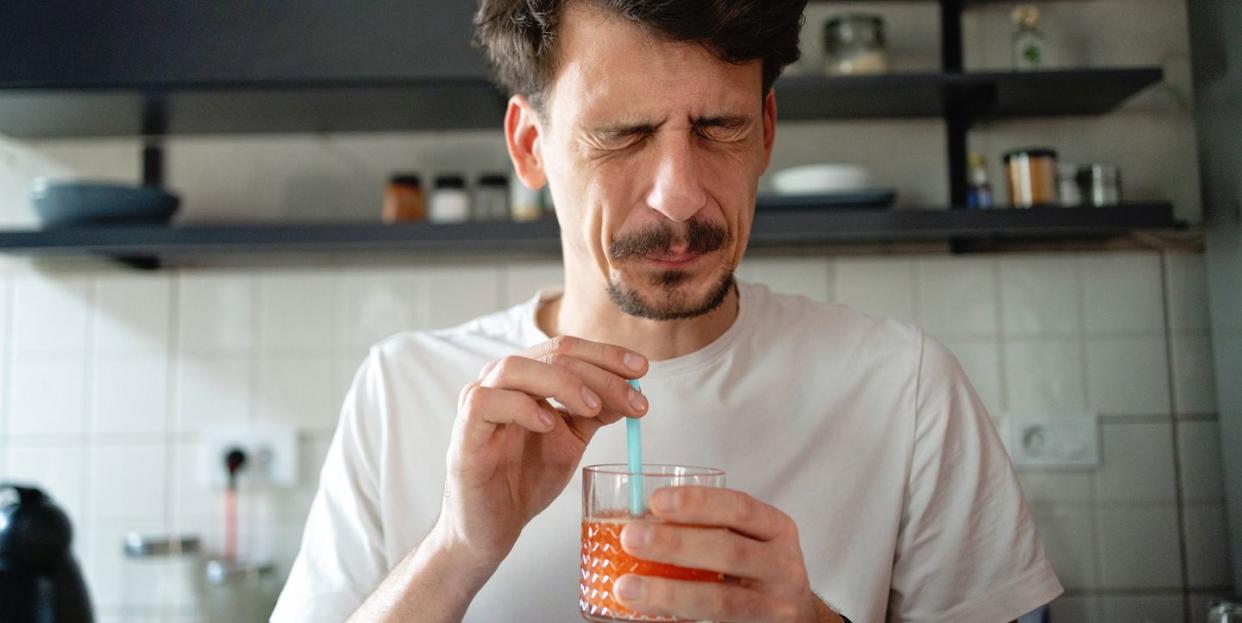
column 671, row 294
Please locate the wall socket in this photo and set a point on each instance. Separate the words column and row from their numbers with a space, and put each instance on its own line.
column 271, row 456
column 1054, row 442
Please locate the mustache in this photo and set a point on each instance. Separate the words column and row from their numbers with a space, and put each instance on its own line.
column 697, row 236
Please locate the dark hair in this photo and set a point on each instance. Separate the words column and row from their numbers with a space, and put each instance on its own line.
column 519, row 36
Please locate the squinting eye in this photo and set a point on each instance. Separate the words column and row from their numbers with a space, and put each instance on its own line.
column 619, row 142
column 720, row 133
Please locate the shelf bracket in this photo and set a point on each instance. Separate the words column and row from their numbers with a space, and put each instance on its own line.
column 154, row 128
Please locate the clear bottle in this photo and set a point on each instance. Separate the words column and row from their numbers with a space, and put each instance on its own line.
column 1030, row 49
column 979, row 194
column 491, row 198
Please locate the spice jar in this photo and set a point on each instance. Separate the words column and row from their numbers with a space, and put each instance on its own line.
column 1032, row 174
column 491, row 198
column 449, row 201
column 1068, row 189
column 1103, row 184
column 854, row 44
column 523, row 201
column 403, row 199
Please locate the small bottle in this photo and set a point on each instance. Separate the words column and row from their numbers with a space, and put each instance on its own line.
column 523, row 201
column 403, row 199
column 1030, row 50
column 449, row 201
column 491, row 198
column 1069, row 189
column 979, row 193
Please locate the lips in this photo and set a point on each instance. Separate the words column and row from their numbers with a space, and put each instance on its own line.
column 680, row 258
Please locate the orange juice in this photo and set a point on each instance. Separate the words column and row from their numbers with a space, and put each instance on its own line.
column 603, row 561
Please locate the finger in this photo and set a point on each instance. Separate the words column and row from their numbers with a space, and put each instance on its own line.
column 543, row 380
column 698, row 601
column 485, row 408
column 723, row 508
column 710, row 549
column 620, row 399
column 616, row 359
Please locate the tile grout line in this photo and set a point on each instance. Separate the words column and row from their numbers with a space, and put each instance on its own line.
column 171, row 399
column 1174, row 438
column 7, row 361
column 1080, row 292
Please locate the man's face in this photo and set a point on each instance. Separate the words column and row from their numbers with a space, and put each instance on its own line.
column 653, row 151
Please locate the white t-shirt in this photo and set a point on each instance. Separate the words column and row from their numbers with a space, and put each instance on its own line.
column 862, row 429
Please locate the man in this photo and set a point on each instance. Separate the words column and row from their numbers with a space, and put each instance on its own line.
column 864, row 468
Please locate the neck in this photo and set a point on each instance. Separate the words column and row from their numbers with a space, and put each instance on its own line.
column 586, row 311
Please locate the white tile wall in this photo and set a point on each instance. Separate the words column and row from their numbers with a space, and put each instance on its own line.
column 1142, row 609
column 373, row 305
column 132, row 314
column 523, row 280
column 1123, row 293
column 809, row 277
column 1041, row 295
column 296, row 312
column 51, row 312
column 130, row 395
column 459, row 293
column 1207, row 546
column 298, row 391
column 1136, row 464
column 957, row 296
column 213, row 390
column 1138, row 548
column 1128, row 376
column 1194, row 379
column 1045, row 375
column 128, row 481
column 114, row 415
column 217, row 311
column 1186, row 290
column 60, row 470
column 1202, row 471
column 881, row 285
column 48, row 396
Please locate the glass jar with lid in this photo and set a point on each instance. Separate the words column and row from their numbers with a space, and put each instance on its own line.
column 854, row 44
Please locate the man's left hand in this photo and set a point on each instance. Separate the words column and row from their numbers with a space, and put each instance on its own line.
column 753, row 544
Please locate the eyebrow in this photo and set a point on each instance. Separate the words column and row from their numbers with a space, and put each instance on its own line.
column 623, row 130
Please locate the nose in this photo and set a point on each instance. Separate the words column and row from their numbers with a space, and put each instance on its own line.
column 677, row 191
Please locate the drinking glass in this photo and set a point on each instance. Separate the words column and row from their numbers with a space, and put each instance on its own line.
column 606, row 508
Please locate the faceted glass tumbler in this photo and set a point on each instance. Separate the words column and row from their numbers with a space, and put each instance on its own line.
column 605, row 511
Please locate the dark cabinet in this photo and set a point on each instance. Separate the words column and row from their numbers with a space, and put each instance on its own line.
column 58, row 43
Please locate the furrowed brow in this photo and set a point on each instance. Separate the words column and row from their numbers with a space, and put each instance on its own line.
column 722, row 121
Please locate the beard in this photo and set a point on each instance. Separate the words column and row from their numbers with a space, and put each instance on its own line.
column 670, row 301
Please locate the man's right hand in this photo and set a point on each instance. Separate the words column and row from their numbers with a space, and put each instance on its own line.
column 512, row 451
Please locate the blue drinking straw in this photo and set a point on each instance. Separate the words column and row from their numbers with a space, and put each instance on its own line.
column 634, row 448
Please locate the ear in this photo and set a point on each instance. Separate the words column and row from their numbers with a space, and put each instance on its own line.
column 522, row 131
column 769, row 127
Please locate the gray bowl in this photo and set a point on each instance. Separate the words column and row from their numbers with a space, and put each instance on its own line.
column 66, row 204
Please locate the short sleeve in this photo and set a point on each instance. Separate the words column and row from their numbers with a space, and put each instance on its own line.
column 341, row 560
column 967, row 550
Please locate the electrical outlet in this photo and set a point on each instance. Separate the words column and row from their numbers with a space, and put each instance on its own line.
column 1055, row 442
column 271, row 456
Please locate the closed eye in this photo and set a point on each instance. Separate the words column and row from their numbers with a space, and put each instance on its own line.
column 724, row 129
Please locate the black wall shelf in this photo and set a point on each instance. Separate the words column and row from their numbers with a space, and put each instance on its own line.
column 475, row 103
column 152, row 245
column 991, row 95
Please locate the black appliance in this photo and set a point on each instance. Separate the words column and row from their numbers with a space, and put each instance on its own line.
column 39, row 579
